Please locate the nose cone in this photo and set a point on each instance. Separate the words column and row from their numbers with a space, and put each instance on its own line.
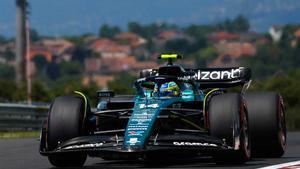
column 140, row 124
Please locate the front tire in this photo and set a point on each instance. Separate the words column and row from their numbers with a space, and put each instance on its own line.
column 68, row 160
column 228, row 121
column 65, row 121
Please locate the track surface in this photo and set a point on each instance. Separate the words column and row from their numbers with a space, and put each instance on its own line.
column 23, row 154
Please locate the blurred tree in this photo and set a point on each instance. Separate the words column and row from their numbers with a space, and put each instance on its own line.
column 70, row 68
column 3, row 39
column 184, row 46
column 40, row 93
column 199, row 31
column 240, row 24
column 80, row 53
column 177, row 46
column 288, row 86
column 150, row 30
column 9, row 55
column 205, row 56
column 66, row 85
column 91, row 92
column 20, row 94
column 77, row 40
column 40, row 62
column 7, row 72
column 123, row 84
column 34, row 35
column 53, row 71
column 135, row 27
column 107, row 31
column 8, row 87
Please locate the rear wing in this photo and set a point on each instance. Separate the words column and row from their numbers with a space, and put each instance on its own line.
column 219, row 77
column 206, row 77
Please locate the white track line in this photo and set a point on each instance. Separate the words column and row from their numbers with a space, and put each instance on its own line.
column 290, row 164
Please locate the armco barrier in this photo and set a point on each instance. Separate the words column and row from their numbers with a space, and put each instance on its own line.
column 21, row 116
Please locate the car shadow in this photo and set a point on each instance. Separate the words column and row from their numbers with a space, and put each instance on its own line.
column 203, row 162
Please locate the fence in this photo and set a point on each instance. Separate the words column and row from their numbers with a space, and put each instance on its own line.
column 21, row 116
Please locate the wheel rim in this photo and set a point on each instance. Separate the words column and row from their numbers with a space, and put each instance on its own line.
column 245, row 132
column 246, row 136
column 282, row 130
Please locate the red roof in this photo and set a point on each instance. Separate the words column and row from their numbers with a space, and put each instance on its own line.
column 236, row 49
column 132, row 39
column 166, row 35
column 297, row 33
column 219, row 36
column 101, row 44
column 127, row 35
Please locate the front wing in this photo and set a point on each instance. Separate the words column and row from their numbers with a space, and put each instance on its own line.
column 96, row 145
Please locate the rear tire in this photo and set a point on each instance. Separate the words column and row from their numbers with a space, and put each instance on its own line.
column 228, row 118
column 267, row 124
column 65, row 121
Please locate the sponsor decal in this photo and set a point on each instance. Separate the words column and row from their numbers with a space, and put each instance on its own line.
column 215, row 75
column 194, row 144
column 142, row 106
column 133, row 141
column 84, row 146
column 135, row 133
column 138, row 128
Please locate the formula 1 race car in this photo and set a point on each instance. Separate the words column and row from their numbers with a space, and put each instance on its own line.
column 176, row 112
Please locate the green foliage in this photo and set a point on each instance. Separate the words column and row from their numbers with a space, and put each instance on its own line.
column 91, row 92
column 238, row 25
column 199, row 31
column 53, row 71
column 6, row 90
column 70, row 68
column 107, row 31
column 77, row 40
column 34, row 35
column 40, row 93
column 9, row 55
column 66, row 85
column 123, row 84
column 205, row 55
column 136, row 28
column 288, row 87
column 81, row 52
column 183, row 46
column 273, row 58
column 40, row 62
column 2, row 39
column 150, row 30
column 7, row 72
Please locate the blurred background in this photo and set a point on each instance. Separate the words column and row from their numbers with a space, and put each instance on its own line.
column 51, row 48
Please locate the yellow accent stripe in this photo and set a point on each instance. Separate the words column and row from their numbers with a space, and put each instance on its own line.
column 85, row 102
column 204, row 101
column 169, row 56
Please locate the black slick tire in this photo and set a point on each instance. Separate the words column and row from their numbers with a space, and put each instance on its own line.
column 65, row 121
column 228, row 121
column 267, row 124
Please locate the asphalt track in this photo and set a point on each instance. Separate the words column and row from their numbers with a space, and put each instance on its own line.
column 23, row 154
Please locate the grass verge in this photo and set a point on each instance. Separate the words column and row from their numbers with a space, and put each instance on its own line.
column 19, row 134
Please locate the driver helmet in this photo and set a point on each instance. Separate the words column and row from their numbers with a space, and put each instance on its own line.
column 169, row 89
